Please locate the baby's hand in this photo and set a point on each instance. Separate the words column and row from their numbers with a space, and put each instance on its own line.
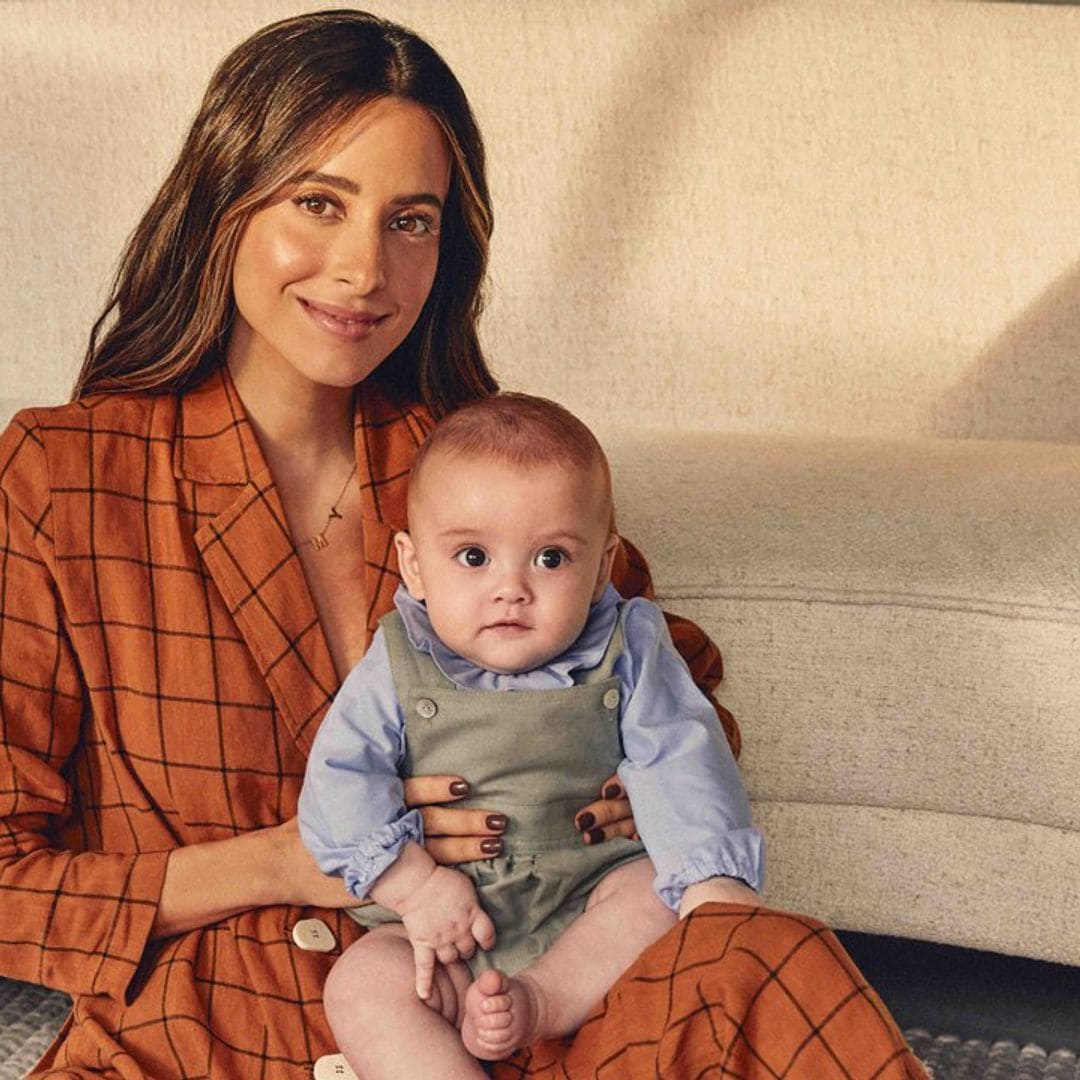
column 445, row 922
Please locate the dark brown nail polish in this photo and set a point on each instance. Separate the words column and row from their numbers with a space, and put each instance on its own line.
column 491, row 846
column 459, row 787
column 585, row 821
column 612, row 791
column 596, row 836
column 496, row 822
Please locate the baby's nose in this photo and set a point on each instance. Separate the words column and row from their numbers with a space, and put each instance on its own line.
column 512, row 588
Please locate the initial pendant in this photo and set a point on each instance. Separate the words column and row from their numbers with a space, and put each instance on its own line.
column 319, row 541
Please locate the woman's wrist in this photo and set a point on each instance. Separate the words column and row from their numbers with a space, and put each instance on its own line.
column 213, row 880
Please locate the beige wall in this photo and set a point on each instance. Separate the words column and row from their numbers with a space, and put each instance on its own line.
column 838, row 217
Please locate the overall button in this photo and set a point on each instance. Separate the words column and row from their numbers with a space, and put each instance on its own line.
column 426, row 708
column 313, row 935
column 611, row 698
column 333, row 1067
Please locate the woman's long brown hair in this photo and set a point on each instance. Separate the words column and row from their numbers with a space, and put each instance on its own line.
column 270, row 106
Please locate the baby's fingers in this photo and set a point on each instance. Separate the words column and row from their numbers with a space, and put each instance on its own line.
column 447, row 954
column 424, row 958
column 483, row 930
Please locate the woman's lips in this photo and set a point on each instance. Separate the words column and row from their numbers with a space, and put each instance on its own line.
column 342, row 322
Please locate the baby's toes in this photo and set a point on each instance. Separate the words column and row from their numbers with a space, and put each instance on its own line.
column 496, row 1003
column 493, row 1023
column 485, row 1028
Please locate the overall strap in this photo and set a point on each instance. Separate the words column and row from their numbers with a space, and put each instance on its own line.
column 606, row 668
column 410, row 666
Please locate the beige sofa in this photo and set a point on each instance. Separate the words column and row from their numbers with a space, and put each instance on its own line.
column 811, row 270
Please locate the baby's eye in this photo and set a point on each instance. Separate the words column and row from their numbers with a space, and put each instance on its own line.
column 472, row 556
column 413, row 224
column 551, row 558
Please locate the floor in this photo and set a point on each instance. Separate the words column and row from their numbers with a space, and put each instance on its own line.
column 972, row 995
column 968, row 1015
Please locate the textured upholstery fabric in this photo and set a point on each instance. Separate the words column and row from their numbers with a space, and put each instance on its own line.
column 900, row 620
column 847, row 216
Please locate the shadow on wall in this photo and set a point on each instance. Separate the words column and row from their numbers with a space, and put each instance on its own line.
column 1026, row 384
column 656, row 92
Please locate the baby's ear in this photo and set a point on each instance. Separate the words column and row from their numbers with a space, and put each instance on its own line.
column 409, row 565
column 606, row 561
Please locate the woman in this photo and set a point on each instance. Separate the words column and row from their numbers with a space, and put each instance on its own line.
column 189, row 569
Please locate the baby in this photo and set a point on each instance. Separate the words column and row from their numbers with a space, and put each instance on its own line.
column 511, row 660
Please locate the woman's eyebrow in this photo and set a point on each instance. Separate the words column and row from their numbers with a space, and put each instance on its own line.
column 340, row 182
column 420, row 197
column 343, row 183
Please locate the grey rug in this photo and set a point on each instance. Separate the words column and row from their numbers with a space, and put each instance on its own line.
column 950, row 1058
column 30, row 1016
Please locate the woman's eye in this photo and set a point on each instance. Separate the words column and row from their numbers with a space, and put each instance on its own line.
column 413, row 224
column 550, row 558
column 472, row 556
column 315, row 205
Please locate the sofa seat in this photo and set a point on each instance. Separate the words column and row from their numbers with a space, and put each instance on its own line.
column 899, row 621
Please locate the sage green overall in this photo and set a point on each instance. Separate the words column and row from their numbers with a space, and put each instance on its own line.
column 537, row 756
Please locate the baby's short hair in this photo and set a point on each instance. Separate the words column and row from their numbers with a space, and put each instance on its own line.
column 518, row 429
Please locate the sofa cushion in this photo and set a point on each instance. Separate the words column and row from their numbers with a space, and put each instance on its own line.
column 900, row 622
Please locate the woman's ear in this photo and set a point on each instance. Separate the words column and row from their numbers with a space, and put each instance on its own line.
column 606, row 561
column 409, row 565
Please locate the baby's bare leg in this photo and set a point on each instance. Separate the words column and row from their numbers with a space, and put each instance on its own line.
column 384, row 1030
column 552, row 996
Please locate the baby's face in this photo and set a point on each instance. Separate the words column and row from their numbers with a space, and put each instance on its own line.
column 507, row 559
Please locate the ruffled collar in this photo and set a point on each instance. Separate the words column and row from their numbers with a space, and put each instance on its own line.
column 584, row 654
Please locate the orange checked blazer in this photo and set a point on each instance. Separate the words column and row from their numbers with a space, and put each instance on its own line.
column 162, row 675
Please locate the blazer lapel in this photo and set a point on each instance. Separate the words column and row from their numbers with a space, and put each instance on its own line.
column 388, row 435
column 247, row 549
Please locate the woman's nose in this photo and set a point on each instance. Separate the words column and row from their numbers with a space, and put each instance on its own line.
column 360, row 257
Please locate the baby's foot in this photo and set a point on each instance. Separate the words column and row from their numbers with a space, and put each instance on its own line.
column 501, row 1014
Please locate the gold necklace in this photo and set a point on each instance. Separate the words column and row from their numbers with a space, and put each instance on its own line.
column 318, row 541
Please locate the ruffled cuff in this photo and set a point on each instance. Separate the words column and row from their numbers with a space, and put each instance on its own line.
column 379, row 850
column 737, row 854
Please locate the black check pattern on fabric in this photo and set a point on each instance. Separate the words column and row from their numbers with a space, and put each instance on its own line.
column 739, row 992
column 162, row 674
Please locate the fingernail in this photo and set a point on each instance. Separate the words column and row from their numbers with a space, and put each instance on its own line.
column 585, row 821
column 612, row 791
column 459, row 787
column 596, row 836
column 496, row 822
column 491, row 846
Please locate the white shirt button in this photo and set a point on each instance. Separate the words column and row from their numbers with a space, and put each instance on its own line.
column 426, row 708
column 313, row 935
column 611, row 698
column 333, row 1067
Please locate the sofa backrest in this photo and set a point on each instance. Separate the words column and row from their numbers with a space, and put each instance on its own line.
column 840, row 217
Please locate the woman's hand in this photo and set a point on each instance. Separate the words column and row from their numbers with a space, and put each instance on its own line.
column 302, row 882
column 611, row 815
column 453, row 835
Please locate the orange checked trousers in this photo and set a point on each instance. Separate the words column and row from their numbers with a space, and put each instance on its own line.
column 737, row 992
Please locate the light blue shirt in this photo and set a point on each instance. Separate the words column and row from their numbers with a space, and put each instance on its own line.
column 689, row 803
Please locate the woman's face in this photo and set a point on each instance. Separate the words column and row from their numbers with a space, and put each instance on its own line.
column 330, row 278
